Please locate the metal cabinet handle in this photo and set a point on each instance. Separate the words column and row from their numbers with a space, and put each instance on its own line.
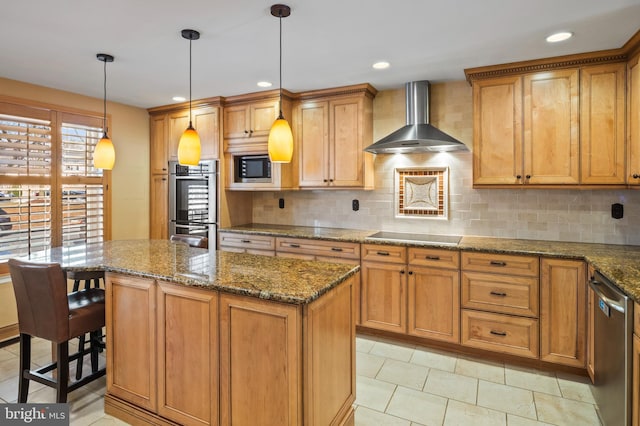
column 245, row 241
column 498, row 293
column 294, row 245
column 336, row 249
column 410, row 272
column 432, row 257
column 382, row 253
column 528, row 176
column 402, row 271
column 250, row 131
column 246, row 132
column 518, row 177
column 330, row 180
column 635, row 175
column 496, row 263
column 498, row 333
column 324, row 180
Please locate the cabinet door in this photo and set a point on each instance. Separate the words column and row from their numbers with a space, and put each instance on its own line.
column 633, row 120
column 591, row 297
column 131, row 344
column 159, row 207
column 187, row 354
column 262, row 115
column 207, row 124
column 635, row 383
column 260, row 362
column 236, row 122
column 602, row 120
column 158, row 148
column 383, row 296
column 434, row 303
column 563, row 311
column 551, row 131
column 497, row 131
column 178, row 123
column 345, row 148
column 312, row 133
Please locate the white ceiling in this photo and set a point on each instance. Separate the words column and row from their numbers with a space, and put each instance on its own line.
column 326, row 43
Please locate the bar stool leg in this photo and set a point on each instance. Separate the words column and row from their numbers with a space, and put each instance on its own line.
column 80, row 358
column 63, row 372
column 95, row 337
column 25, row 365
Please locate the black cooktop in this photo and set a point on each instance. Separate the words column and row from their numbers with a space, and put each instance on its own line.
column 415, row 238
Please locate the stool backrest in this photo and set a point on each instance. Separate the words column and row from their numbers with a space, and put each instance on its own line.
column 41, row 297
column 192, row 240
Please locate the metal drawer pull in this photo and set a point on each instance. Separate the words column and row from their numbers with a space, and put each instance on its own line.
column 294, row 245
column 336, row 249
column 383, row 253
column 498, row 293
column 245, row 241
column 496, row 263
column 498, row 333
column 432, row 257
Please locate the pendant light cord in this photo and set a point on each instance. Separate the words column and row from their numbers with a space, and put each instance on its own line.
column 280, row 19
column 104, row 118
column 190, row 40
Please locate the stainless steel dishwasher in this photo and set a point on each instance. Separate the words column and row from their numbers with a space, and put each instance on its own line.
column 613, row 339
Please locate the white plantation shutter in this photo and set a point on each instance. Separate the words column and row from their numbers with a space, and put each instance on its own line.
column 50, row 193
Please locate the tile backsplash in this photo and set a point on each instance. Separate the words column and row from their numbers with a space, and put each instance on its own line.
column 562, row 215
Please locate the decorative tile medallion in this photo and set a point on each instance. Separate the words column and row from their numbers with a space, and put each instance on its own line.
column 422, row 192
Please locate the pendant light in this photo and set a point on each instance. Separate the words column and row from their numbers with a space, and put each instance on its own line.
column 280, row 142
column 104, row 155
column 189, row 145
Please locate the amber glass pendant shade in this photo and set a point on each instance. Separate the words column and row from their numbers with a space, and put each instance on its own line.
column 104, row 155
column 280, row 142
column 189, row 147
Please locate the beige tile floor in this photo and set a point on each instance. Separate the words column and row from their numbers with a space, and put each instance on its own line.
column 396, row 385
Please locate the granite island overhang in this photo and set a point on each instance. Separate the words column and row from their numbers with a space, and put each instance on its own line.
column 199, row 337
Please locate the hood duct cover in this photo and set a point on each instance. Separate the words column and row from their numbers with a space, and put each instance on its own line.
column 418, row 135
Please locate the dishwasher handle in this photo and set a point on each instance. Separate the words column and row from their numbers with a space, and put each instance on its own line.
column 596, row 287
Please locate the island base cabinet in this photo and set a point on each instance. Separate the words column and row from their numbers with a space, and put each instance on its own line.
column 131, row 340
column 260, row 362
column 187, row 354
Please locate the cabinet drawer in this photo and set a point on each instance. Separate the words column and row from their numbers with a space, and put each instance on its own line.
column 247, row 241
column 500, row 293
column 436, row 258
column 384, row 253
column 500, row 333
column 501, row 264
column 318, row 247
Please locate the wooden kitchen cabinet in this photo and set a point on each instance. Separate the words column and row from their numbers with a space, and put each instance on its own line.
column 159, row 201
column 602, row 121
column 158, row 149
column 322, row 250
column 635, row 368
column 383, row 287
column 551, row 127
column 332, row 128
column 187, row 326
column 563, row 319
column 247, row 243
column 497, row 131
column 433, row 294
column 131, row 345
column 633, row 119
column 206, row 121
column 591, row 306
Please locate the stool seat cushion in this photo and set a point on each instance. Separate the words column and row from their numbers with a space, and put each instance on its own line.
column 86, row 311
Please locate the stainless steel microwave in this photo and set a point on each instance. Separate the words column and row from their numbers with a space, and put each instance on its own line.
column 252, row 168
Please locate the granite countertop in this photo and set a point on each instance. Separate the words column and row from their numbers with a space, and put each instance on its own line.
column 619, row 263
column 274, row 278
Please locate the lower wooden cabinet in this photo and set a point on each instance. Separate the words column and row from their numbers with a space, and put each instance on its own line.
column 383, row 296
column 563, row 304
column 635, row 381
column 247, row 243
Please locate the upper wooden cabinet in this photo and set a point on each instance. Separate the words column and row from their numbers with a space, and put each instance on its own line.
column 557, row 122
column 633, row 119
column 332, row 128
column 158, row 149
column 248, row 120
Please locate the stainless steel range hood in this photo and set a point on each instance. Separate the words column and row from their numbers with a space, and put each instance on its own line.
column 418, row 135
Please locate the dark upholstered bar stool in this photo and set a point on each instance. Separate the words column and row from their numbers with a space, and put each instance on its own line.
column 45, row 310
column 88, row 277
column 192, row 240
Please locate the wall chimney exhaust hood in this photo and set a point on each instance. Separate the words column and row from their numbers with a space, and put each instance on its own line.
column 418, row 135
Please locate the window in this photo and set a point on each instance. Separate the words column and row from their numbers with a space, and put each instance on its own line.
column 50, row 194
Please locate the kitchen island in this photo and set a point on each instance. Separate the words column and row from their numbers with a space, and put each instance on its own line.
column 199, row 337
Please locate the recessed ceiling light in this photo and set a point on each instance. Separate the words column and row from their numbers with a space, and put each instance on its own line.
column 264, row 84
column 559, row 36
column 381, row 65
column 179, row 98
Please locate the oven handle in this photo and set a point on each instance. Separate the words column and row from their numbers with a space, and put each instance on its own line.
column 595, row 286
